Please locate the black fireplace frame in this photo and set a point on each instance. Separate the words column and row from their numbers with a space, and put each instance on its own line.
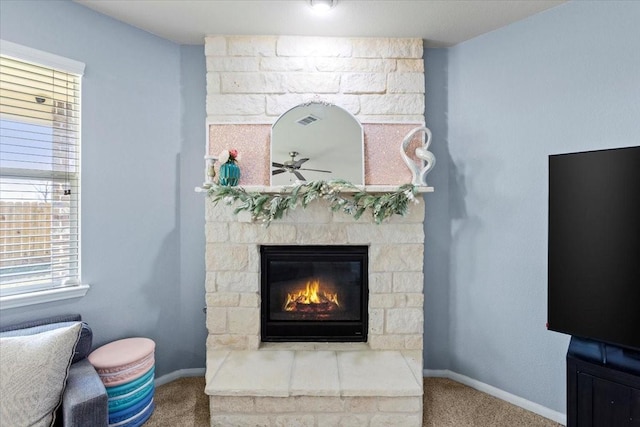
column 307, row 330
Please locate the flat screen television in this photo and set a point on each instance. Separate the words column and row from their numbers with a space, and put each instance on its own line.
column 594, row 246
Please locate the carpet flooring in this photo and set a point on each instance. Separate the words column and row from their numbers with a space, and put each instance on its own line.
column 182, row 403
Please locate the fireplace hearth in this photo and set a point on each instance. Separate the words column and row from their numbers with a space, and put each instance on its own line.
column 314, row 293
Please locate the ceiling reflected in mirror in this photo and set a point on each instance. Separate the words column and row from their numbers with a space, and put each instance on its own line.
column 317, row 141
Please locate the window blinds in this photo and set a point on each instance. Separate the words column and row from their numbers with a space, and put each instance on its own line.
column 39, row 176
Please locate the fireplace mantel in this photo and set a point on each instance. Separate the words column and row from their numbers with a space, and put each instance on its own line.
column 285, row 189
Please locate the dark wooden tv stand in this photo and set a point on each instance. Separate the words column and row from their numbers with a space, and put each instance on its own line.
column 603, row 385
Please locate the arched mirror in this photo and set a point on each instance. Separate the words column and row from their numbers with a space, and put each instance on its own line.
column 316, row 141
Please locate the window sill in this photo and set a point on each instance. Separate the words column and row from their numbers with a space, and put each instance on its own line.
column 39, row 297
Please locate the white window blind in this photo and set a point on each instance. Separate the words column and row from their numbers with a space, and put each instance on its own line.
column 39, row 174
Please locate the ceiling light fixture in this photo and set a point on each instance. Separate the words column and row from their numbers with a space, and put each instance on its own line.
column 322, row 6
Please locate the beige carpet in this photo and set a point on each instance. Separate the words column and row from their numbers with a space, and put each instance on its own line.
column 448, row 403
column 182, row 403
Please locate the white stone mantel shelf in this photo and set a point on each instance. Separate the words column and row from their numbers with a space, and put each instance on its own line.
column 284, row 189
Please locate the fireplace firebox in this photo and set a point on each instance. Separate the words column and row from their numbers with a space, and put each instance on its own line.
column 314, row 293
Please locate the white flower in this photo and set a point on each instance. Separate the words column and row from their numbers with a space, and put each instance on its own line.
column 223, row 157
column 410, row 196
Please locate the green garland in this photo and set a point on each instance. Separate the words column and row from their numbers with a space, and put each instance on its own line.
column 267, row 207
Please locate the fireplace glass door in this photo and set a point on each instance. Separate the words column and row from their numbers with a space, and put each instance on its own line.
column 314, row 293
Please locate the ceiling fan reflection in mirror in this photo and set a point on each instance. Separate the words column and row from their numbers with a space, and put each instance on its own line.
column 293, row 166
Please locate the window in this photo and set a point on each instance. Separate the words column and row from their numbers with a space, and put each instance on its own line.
column 39, row 172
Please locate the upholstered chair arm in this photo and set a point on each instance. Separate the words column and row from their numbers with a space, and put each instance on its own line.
column 84, row 402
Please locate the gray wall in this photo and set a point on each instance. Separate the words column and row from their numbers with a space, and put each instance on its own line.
column 192, row 240
column 565, row 80
column 437, row 221
column 140, row 251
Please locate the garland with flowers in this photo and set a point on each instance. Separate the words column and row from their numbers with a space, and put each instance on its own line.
column 268, row 207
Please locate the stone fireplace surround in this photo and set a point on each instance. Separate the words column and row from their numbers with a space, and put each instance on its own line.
column 377, row 383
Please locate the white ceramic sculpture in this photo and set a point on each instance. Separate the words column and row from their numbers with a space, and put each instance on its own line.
column 428, row 160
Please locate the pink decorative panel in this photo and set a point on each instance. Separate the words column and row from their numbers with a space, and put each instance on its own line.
column 382, row 162
column 252, row 143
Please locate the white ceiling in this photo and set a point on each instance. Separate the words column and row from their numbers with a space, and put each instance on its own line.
column 440, row 23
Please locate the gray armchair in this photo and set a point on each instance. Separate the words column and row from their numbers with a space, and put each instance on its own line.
column 84, row 400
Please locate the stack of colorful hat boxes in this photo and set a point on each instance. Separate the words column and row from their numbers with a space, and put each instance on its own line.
column 127, row 368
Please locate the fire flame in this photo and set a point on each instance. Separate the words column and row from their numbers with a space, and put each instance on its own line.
column 311, row 294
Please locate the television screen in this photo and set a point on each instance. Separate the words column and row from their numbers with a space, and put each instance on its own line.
column 594, row 245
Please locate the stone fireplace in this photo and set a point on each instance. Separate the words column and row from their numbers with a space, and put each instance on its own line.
column 373, row 378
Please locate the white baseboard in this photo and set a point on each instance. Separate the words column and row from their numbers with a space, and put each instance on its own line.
column 556, row 416
column 180, row 373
